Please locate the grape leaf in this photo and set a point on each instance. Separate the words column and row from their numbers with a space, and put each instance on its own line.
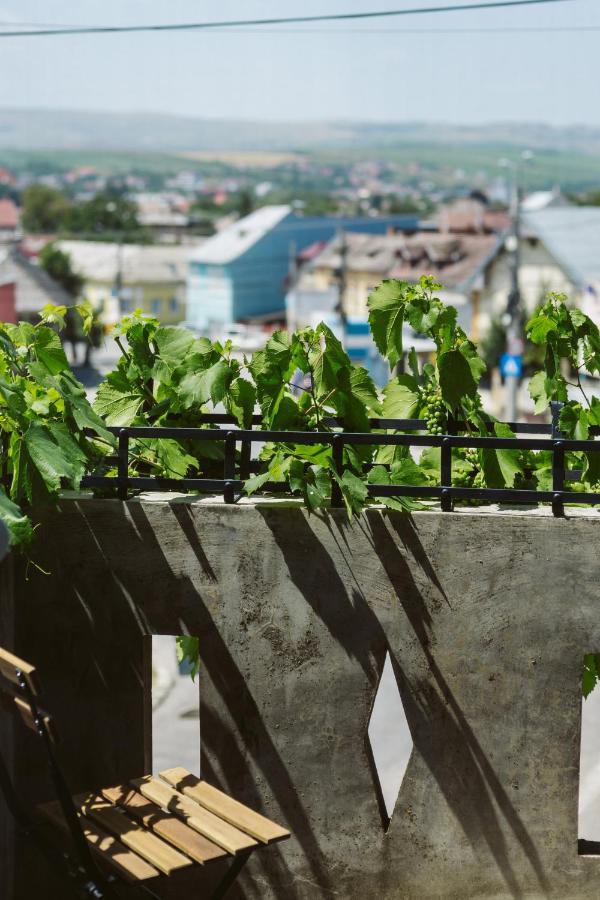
column 456, row 378
column 240, row 400
column 386, row 319
column 400, row 398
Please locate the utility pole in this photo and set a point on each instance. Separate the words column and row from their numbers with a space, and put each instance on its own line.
column 341, row 274
column 292, row 304
column 514, row 327
column 511, row 363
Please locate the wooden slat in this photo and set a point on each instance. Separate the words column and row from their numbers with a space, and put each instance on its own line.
column 212, row 827
column 9, row 663
column 225, row 807
column 106, row 848
column 164, row 824
column 147, row 845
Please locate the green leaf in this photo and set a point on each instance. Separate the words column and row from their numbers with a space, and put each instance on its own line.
column 386, row 305
column 413, row 363
column 591, row 673
column 574, row 421
column 354, row 492
column 431, row 464
column 539, row 327
column 173, row 344
column 211, row 384
column 54, row 454
column 188, row 651
column 49, row 351
column 500, row 467
column 400, row 398
column 240, row 401
column 540, row 391
column 406, row 471
column 363, row 388
column 118, row 401
column 175, row 461
column 456, row 378
column 19, row 525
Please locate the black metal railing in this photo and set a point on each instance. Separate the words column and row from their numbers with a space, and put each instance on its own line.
column 238, row 468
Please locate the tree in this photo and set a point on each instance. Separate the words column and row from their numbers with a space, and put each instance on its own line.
column 44, row 209
column 109, row 212
column 58, row 265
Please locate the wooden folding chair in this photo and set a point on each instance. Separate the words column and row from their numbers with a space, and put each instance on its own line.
column 138, row 833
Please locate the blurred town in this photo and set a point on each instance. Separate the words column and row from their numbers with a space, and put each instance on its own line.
column 236, row 251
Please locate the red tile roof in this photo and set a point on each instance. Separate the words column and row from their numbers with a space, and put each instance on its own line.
column 9, row 214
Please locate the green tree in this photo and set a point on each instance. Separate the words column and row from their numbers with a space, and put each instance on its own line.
column 58, row 265
column 108, row 213
column 44, row 209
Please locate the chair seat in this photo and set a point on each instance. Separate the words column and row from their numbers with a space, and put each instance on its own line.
column 152, row 827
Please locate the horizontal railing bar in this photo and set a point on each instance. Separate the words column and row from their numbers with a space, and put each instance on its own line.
column 157, row 483
column 378, row 422
column 310, row 438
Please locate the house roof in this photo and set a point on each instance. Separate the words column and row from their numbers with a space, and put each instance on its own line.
column 138, row 263
column 34, row 287
column 237, row 239
column 571, row 234
column 456, row 260
column 9, row 214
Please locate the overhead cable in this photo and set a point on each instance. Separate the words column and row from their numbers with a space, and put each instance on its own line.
column 287, row 20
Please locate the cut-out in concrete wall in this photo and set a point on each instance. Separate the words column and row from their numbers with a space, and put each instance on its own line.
column 389, row 738
column 175, row 710
column 589, row 771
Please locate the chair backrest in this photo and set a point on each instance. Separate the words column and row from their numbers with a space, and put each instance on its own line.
column 23, row 692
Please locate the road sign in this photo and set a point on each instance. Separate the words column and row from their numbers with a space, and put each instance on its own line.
column 511, row 365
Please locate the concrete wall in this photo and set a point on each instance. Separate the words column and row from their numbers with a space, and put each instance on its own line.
column 486, row 618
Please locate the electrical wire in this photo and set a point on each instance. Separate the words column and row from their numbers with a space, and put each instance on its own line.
column 534, row 29
column 287, row 20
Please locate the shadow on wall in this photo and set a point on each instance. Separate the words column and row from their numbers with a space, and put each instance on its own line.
column 120, row 582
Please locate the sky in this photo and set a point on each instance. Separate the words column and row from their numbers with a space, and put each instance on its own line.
column 378, row 70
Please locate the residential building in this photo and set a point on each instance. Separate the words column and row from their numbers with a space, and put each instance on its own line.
column 32, row 287
column 243, row 273
column 9, row 220
column 461, row 262
column 558, row 251
column 122, row 277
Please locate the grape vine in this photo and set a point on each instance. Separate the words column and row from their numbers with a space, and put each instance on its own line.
column 166, row 376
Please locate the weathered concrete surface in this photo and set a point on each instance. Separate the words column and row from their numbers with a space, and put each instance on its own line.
column 486, row 617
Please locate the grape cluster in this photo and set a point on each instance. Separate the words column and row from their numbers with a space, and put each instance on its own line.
column 472, row 456
column 462, row 479
column 434, row 411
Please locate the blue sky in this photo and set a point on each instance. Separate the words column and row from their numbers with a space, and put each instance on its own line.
column 312, row 72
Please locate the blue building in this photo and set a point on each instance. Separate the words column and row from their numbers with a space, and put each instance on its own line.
column 242, row 272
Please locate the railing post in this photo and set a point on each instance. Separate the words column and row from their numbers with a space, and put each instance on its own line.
column 123, row 464
column 338, row 465
column 558, row 460
column 229, row 468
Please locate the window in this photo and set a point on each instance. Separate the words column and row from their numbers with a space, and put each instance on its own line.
column 155, row 307
column 126, row 306
column 174, row 305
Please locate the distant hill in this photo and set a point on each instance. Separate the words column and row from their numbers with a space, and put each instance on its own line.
column 41, row 129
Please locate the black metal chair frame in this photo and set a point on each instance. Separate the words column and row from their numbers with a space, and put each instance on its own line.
column 77, row 866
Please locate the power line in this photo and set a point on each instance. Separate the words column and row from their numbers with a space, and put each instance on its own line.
column 534, row 29
column 288, row 20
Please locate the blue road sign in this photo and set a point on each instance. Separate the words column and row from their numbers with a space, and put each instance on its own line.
column 511, row 365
